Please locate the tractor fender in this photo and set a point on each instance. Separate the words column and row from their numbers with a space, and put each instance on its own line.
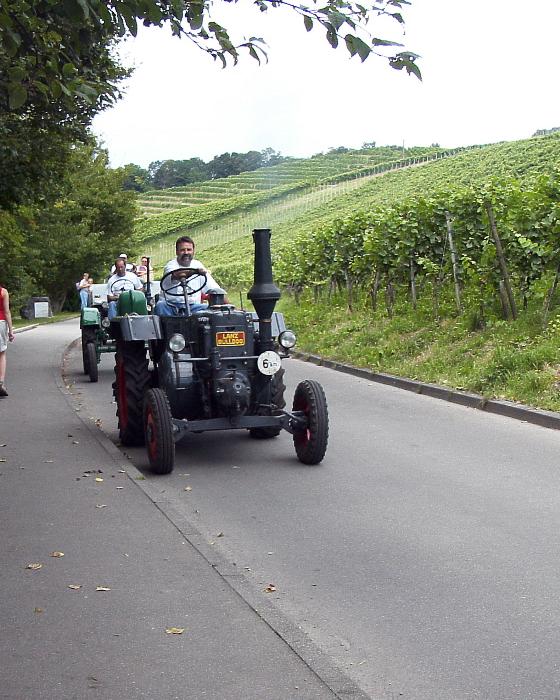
column 135, row 327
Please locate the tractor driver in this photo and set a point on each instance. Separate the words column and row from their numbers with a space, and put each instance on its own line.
column 121, row 281
column 172, row 305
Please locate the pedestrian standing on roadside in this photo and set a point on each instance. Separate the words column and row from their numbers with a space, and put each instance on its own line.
column 83, row 288
column 6, row 334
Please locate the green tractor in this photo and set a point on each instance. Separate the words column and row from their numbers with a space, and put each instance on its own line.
column 94, row 320
column 216, row 369
column 95, row 327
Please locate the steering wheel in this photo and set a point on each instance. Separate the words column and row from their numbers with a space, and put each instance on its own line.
column 125, row 283
column 182, row 286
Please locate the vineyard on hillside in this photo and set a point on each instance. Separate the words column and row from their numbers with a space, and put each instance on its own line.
column 290, row 173
column 396, row 232
column 221, row 221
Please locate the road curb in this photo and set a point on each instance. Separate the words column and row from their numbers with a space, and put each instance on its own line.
column 510, row 409
column 22, row 329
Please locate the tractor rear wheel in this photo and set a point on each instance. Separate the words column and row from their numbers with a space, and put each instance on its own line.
column 91, row 356
column 277, row 388
column 311, row 443
column 132, row 379
column 158, row 431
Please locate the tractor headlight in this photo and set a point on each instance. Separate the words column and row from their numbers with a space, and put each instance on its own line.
column 177, row 342
column 287, row 339
column 105, row 322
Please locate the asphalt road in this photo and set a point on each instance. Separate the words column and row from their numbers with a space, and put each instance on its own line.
column 421, row 556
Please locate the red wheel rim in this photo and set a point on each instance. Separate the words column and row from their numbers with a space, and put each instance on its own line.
column 151, row 433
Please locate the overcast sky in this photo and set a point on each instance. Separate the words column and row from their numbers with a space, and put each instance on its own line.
column 490, row 73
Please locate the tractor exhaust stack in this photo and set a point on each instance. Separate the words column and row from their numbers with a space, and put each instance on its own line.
column 264, row 293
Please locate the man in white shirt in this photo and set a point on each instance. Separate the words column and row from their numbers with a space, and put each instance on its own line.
column 173, row 303
column 118, row 283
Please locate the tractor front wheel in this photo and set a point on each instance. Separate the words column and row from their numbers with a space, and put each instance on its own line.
column 87, row 337
column 311, row 443
column 132, row 379
column 158, row 431
column 91, row 356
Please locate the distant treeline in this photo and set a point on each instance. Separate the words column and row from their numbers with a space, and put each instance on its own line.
column 176, row 173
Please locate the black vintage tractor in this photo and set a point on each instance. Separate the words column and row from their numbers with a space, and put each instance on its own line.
column 216, row 369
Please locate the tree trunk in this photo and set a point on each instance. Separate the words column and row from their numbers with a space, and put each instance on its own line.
column 501, row 259
column 57, row 300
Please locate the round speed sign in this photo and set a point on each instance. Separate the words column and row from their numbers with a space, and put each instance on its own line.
column 269, row 362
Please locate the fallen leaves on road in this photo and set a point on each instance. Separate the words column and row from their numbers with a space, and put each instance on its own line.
column 174, row 630
column 34, row 566
column 56, row 555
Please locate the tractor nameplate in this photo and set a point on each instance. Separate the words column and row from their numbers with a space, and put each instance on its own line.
column 230, row 338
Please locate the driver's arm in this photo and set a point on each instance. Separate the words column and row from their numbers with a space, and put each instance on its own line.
column 115, row 295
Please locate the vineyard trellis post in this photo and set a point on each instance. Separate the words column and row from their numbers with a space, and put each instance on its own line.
column 504, row 300
column 501, row 259
column 413, row 296
column 375, row 288
column 550, row 295
column 454, row 262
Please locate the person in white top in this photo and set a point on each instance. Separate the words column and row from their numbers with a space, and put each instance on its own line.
column 173, row 302
column 118, row 283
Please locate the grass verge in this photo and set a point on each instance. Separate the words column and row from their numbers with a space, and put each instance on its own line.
column 64, row 316
column 517, row 361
